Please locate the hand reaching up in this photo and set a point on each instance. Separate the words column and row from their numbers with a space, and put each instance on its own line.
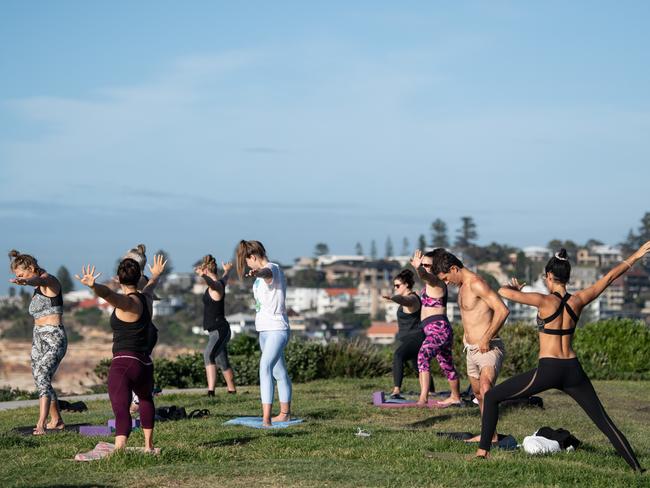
column 88, row 276
column 158, row 267
column 416, row 260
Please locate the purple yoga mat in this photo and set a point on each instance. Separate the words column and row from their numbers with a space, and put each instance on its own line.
column 95, row 430
column 135, row 423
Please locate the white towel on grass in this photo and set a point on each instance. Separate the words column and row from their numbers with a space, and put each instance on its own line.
column 535, row 444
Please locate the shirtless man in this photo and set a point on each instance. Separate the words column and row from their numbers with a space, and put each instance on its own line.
column 483, row 313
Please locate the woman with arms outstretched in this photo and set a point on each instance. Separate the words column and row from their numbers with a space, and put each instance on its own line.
column 558, row 366
column 49, row 342
column 272, row 323
column 131, row 367
column 215, row 323
column 409, row 337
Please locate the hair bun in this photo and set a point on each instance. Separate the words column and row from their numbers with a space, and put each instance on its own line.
column 562, row 255
column 13, row 254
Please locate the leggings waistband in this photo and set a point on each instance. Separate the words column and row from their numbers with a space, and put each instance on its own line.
column 434, row 318
column 142, row 358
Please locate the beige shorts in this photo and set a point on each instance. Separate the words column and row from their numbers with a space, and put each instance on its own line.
column 477, row 360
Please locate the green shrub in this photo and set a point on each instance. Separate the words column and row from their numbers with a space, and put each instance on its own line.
column 8, row 394
column 355, row 359
column 243, row 345
column 614, row 349
column 304, row 360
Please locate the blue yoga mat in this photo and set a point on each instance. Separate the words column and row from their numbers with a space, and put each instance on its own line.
column 256, row 423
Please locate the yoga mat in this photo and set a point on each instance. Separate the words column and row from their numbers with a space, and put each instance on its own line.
column 135, row 423
column 379, row 400
column 256, row 423
column 95, row 430
column 28, row 429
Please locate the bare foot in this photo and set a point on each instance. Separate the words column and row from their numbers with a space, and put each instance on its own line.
column 58, row 425
column 449, row 401
column 422, row 403
column 481, row 454
column 38, row 430
column 281, row 417
column 477, row 438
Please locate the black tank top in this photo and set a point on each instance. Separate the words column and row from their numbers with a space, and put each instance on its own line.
column 407, row 323
column 132, row 336
column 214, row 317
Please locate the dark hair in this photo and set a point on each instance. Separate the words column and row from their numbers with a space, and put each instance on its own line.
column 442, row 261
column 406, row 276
column 559, row 266
column 128, row 272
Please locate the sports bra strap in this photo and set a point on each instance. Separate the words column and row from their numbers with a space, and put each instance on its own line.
column 560, row 308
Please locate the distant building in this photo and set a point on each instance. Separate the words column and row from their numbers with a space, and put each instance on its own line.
column 332, row 299
column 297, row 322
column 180, row 281
column 601, row 256
column 302, row 299
column 241, row 323
column 382, row 332
column 167, row 306
column 537, row 253
column 78, row 295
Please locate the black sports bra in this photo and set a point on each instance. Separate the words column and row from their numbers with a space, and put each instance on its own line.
column 563, row 305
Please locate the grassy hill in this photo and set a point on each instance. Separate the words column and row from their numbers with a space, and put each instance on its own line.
column 402, row 450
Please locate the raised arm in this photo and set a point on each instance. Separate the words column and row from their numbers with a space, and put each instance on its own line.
column 426, row 276
column 227, row 268
column 156, row 270
column 591, row 293
column 512, row 291
column 44, row 280
column 409, row 301
column 123, row 302
column 499, row 311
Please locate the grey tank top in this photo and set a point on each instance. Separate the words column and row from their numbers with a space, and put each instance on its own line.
column 42, row 306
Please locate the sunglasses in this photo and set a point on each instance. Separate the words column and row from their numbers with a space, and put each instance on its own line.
column 427, row 265
column 397, row 285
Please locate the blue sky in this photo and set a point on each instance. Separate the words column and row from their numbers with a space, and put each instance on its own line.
column 190, row 126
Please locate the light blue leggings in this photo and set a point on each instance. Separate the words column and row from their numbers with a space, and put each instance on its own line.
column 272, row 343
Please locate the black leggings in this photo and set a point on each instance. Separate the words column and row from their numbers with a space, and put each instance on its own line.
column 408, row 348
column 562, row 374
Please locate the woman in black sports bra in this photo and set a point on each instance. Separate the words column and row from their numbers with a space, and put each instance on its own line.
column 558, row 366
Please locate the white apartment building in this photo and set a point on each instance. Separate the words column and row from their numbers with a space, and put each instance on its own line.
column 302, row 299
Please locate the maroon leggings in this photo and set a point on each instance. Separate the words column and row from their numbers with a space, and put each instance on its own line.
column 131, row 371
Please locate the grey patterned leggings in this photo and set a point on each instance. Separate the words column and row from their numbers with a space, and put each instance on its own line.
column 49, row 345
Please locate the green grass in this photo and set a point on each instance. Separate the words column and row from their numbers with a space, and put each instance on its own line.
column 402, row 450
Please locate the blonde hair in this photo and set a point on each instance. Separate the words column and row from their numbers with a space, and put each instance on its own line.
column 246, row 249
column 209, row 262
column 138, row 255
column 23, row 261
